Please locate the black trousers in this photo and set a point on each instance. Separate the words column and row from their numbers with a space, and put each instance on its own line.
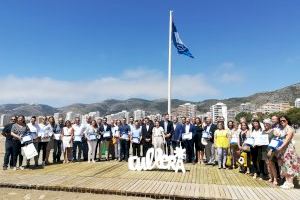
column 190, row 152
column 17, row 152
column 146, row 146
column 9, row 156
column 136, row 149
column 96, row 150
column 255, row 161
column 42, row 146
column 168, row 147
column 56, row 150
column 124, row 151
column 85, row 149
column 75, row 145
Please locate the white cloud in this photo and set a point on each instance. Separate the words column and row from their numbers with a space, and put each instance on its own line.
column 149, row 84
column 227, row 72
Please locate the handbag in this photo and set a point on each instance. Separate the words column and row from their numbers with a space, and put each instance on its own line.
column 229, row 161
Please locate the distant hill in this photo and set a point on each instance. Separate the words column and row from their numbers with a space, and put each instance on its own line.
column 286, row 94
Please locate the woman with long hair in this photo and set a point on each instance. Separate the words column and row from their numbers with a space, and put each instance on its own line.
column 91, row 136
column 67, row 138
column 222, row 143
column 198, row 145
column 288, row 158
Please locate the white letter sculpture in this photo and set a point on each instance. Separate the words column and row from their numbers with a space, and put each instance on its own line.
column 162, row 161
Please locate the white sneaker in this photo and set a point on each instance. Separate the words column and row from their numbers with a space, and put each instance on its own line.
column 93, row 161
column 15, row 168
column 287, row 186
column 89, row 161
column 21, row 168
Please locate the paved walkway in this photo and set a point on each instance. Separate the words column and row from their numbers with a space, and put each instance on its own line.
column 199, row 182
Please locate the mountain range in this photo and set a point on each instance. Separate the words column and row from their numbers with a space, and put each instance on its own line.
column 286, row 94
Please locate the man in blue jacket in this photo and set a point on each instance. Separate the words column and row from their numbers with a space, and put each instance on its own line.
column 177, row 134
column 124, row 140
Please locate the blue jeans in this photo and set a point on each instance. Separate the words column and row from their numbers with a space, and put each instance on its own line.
column 75, row 145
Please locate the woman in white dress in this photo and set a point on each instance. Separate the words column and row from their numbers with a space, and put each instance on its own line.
column 158, row 136
column 91, row 136
column 67, row 137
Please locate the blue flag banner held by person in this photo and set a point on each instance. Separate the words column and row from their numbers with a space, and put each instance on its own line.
column 181, row 48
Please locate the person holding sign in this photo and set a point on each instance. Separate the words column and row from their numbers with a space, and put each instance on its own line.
column 187, row 138
column 18, row 132
column 256, row 150
column 222, row 144
column 57, row 130
column 67, row 138
column 34, row 129
column 91, row 133
column 136, row 136
column 288, row 158
column 105, row 131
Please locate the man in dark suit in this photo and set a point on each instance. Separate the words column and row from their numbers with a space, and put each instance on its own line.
column 178, row 130
column 146, row 136
column 189, row 143
column 167, row 125
column 210, row 129
column 105, row 131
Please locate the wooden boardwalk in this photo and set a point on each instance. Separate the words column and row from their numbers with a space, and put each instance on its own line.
column 199, row 182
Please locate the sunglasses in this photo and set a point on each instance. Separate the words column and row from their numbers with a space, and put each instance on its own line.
column 13, row 119
column 283, row 120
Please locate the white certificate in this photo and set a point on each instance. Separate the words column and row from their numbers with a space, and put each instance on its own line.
column 106, row 134
column 275, row 143
column 34, row 135
column 26, row 138
column 250, row 141
column 187, row 136
column 262, row 140
column 117, row 134
column 135, row 140
column 234, row 140
column 125, row 136
column 92, row 137
column 57, row 136
column 78, row 138
column 205, row 135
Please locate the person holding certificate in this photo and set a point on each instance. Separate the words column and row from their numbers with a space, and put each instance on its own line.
column 256, row 150
column 234, row 136
column 124, row 140
column 268, row 154
column 34, row 129
column 57, row 130
column 136, row 136
column 91, row 133
column 67, row 138
column 222, row 144
column 44, row 136
column 116, row 139
column 188, row 139
column 208, row 135
column 77, row 141
column 105, row 131
column 18, row 130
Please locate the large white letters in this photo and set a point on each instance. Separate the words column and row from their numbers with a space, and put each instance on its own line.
column 155, row 158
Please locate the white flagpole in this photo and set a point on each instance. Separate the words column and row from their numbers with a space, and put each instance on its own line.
column 169, row 64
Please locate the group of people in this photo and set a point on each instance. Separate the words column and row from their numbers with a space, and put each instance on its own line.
column 228, row 145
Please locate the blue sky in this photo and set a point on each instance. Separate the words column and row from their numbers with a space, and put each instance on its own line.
column 66, row 51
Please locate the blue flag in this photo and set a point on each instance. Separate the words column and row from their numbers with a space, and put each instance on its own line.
column 181, row 48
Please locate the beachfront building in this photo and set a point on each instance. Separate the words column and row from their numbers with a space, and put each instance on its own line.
column 297, row 103
column 219, row 110
column 274, row 107
column 139, row 114
column 187, row 110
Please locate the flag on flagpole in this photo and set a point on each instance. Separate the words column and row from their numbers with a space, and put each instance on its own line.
column 181, row 48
